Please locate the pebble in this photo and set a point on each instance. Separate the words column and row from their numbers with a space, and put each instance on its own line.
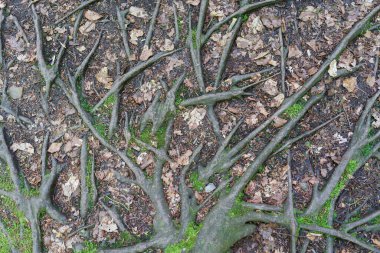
column 15, row 92
column 210, row 187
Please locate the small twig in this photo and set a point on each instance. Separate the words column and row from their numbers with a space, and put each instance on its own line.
column 283, row 62
column 80, row 7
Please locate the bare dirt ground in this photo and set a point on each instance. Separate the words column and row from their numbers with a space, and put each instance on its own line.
column 310, row 30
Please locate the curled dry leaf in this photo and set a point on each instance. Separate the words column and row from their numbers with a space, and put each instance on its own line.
column 294, row 52
column 195, row 117
column 138, row 12
column 55, row 147
column 103, row 78
column 333, row 69
column 87, row 27
column 146, row 53
column 193, row 2
column 134, row 35
column 350, row 84
column 92, row 15
column 70, row 186
column 26, row 147
column 270, row 87
column 251, row 120
column 277, row 100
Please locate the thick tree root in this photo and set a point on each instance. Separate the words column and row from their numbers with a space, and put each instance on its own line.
column 158, row 111
column 123, row 30
column 31, row 204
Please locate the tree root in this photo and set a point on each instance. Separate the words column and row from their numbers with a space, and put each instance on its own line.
column 30, row 204
column 284, row 52
column 48, row 73
column 119, row 83
column 123, row 30
column 158, row 111
column 149, row 35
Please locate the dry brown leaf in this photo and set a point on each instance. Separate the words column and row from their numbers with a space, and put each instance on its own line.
column 134, row 35
column 270, row 87
column 279, row 122
column 138, row 12
column 146, row 53
column 70, row 186
column 376, row 242
column 92, row 15
column 55, row 147
column 195, row 117
column 193, row 2
column 333, row 69
column 251, row 120
column 371, row 80
column 103, row 78
column 277, row 100
column 87, row 27
column 26, row 147
column 350, row 84
column 309, row 14
column 294, row 52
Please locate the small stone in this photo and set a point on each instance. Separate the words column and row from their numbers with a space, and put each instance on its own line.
column 15, row 92
column 210, row 187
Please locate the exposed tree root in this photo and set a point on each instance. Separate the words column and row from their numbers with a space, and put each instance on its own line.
column 284, row 53
column 149, row 35
column 30, row 203
column 19, row 28
column 229, row 213
column 123, row 30
column 49, row 73
column 158, row 111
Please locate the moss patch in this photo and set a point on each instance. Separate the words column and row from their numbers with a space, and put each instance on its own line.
column 294, row 110
column 89, row 247
column 188, row 241
column 196, row 182
column 238, row 209
column 17, row 227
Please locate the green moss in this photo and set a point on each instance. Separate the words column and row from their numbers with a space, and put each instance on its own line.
column 30, row 193
column 188, row 242
column 145, row 135
column 5, row 179
column 194, row 38
column 294, row 110
column 245, row 17
column 126, row 238
column 366, row 150
column 17, row 227
column 101, row 128
column 89, row 247
column 196, row 182
column 238, row 209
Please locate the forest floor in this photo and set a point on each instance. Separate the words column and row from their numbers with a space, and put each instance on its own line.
column 311, row 30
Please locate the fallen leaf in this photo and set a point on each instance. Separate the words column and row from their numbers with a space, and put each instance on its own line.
column 103, row 77
column 26, row 147
column 168, row 45
column 70, row 186
column 270, row 87
column 146, row 53
column 134, row 35
column 193, row 2
column 251, row 120
column 333, row 69
column 376, row 242
column 309, row 14
column 184, row 159
column 371, row 80
column 294, row 52
column 256, row 26
column 138, row 12
column 55, row 147
column 87, row 27
column 279, row 122
column 195, row 117
column 277, row 100
column 350, row 84
column 92, row 15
